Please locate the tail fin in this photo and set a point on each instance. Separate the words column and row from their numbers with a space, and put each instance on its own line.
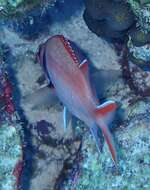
column 104, row 114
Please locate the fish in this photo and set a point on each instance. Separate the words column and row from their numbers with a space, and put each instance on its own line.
column 69, row 74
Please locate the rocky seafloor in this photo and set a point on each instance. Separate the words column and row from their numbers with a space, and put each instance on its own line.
column 52, row 158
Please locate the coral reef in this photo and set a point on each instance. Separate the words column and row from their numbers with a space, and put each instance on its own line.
column 9, row 8
column 142, row 12
column 28, row 18
column 48, row 154
column 138, row 44
column 108, row 18
column 139, row 85
column 11, row 154
column 138, row 37
column 94, row 173
column 139, row 50
column 54, row 159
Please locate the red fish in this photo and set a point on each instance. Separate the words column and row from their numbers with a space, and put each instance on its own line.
column 69, row 74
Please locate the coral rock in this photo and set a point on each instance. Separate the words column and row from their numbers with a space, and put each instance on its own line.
column 139, row 38
column 101, row 28
column 108, row 18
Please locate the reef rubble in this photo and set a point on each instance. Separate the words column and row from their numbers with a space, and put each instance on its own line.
column 11, row 154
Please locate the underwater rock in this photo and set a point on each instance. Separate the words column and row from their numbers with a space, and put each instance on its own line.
column 120, row 17
column 102, row 29
column 108, row 18
column 48, row 154
column 94, row 173
column 97, row 9
column 43, row 128
column 145, row 65
column 139, row 50
column 138, row 37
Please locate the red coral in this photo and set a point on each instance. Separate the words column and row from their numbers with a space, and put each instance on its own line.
column 7, row 89
column 9, row 106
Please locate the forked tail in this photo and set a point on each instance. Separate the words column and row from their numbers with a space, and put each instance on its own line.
column 104, row 115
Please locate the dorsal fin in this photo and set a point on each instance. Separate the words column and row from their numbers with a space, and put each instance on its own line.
column 85, row 70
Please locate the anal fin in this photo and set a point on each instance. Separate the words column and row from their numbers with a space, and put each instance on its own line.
column 66, row 118
column 94, row 131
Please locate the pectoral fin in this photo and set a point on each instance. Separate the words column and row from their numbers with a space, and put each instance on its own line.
column 43, row 97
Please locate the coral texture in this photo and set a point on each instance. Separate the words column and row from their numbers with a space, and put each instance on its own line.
column 139, row 37
column 53, row 158
column 11, row 154
column 10, row 157
column 9, row 8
